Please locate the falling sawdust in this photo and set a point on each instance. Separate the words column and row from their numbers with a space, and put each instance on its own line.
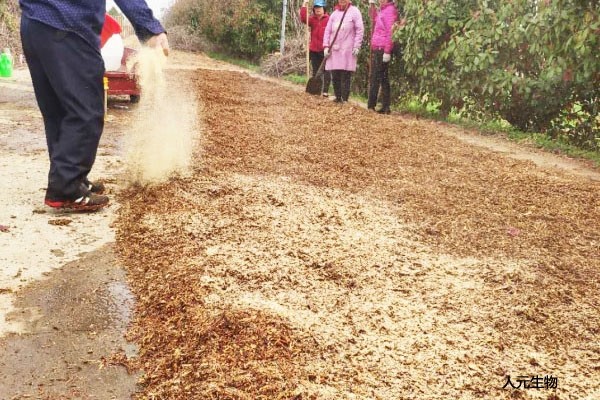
column 160, row 144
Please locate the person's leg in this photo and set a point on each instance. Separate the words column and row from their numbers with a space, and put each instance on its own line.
column 325, row 77
column 385, row 88
column 74, row 69
column 346, row 80
column 375, row 78
column 315, row 61
column 326, row 81
column 48, row 102
column 336, row 76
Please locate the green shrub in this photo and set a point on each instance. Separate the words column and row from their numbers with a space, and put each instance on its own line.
column 239, row 27
column 522, row 60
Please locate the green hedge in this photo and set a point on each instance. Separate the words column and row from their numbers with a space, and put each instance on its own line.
column 535, row 64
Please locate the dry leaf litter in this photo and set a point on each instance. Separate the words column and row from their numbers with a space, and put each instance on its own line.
column 319, row 251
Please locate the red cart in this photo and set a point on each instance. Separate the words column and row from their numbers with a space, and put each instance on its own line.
column 123, row 81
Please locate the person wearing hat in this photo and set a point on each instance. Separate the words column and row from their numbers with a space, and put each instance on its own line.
column 317, row 22
column 343, row 55
column 383, row 21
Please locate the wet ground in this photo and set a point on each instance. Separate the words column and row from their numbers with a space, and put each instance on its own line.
column 73, row 324
column 64, row 303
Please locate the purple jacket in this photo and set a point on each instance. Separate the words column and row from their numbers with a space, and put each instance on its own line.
column 383, row 23
column 349, row 38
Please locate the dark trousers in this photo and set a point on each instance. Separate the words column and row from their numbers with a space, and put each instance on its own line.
column 67, row 77
column 341, row 84
column 316, row 58
column 379, row 78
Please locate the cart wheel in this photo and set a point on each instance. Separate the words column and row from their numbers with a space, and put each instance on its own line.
column 134, row 98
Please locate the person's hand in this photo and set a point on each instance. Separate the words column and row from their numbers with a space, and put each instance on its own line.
column 355, row 52
column 372, row 2
column 326, row 52
column 159, row 41
column 387, row 57
column 305, row 3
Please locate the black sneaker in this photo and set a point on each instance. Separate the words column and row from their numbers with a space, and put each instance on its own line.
column 384, row 111
column 94, row 187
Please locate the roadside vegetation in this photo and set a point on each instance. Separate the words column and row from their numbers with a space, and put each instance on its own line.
column 530, row 67
column 9, row 26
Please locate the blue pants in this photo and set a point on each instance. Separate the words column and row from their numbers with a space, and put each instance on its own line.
column 67, row 77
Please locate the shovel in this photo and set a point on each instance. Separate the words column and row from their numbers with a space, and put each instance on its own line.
column 315, row 84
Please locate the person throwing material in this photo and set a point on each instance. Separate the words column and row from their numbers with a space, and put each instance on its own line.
column 61, row 42
column 383, row 21
column 342, row 56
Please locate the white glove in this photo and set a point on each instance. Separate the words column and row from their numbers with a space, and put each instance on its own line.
column 326, row 52
column 386, row 57
column 355, row 52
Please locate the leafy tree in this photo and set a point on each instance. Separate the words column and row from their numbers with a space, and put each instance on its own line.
column 524, row 60
column 241, row 27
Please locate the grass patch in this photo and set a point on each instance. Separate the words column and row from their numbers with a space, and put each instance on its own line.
column 295, row 78
column 234, row 60
column 539, row 140
column 430, row 110
column 555, row 146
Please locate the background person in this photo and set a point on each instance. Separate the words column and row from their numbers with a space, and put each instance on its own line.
column 317, row 22
column 383, row 21
column 342, row 56
column 61, row 42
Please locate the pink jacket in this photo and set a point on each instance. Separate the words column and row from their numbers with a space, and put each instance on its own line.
column 349, row 38
column 383, row 23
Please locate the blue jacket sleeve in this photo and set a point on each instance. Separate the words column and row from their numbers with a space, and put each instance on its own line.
column 141, row 17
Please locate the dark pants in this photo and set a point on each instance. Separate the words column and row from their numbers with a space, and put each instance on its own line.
column 67, row 77
column 341, row 84
column 379, row 78
column 316, row 58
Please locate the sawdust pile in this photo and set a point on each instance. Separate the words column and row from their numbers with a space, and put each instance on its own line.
column 319, row 251
column 188, row 348
column 160, row 144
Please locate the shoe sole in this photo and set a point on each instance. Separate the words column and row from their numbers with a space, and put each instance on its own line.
column 67, row 206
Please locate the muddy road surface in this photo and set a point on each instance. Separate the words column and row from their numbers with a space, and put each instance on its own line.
column 313, row 251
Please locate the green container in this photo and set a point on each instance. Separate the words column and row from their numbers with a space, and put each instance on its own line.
column 6, row 65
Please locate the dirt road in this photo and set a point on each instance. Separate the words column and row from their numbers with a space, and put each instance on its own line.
column 321, row 251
